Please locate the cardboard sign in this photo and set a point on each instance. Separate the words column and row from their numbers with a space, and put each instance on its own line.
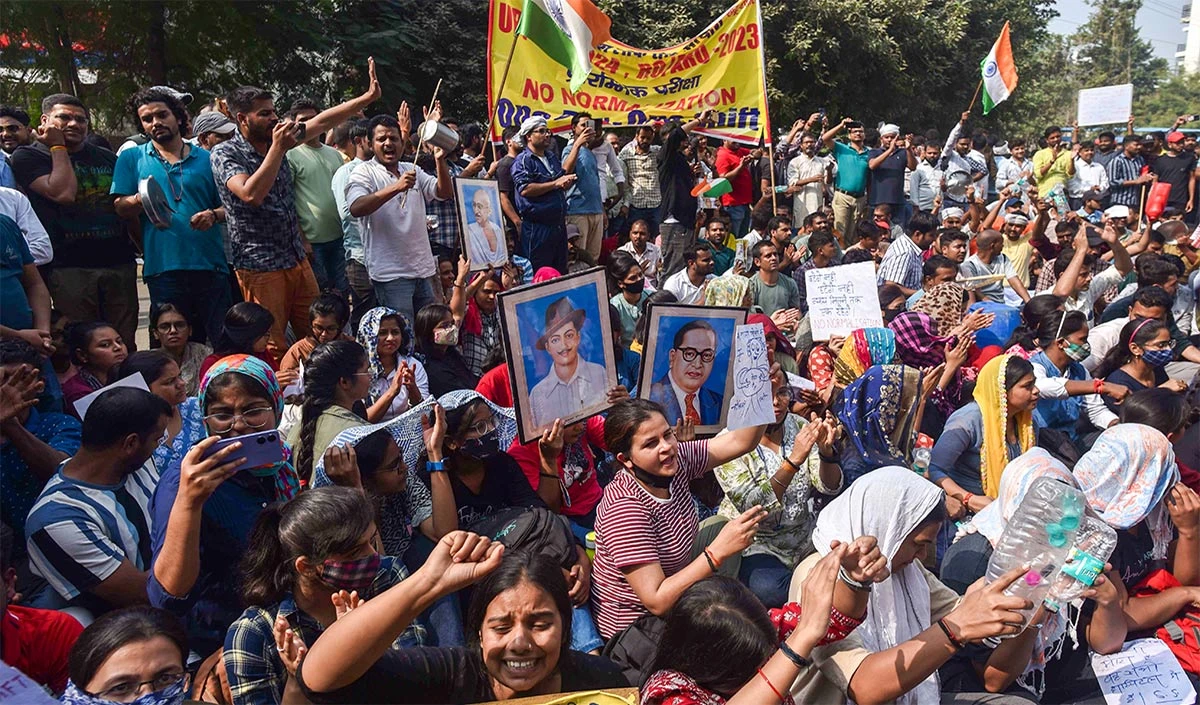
column 134, row 380
column 842, row 299
column 1107, row 105
column 1143, row 672
column 16, row 688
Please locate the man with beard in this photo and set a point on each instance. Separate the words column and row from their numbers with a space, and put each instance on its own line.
column 1015, row 171
column 254, row 180
column 313, row 165
column 184, row 263
column 925, row 183
column 539, row 183
column 957, row 156
column 67, row 179
column 14, row 132
column 806, row 180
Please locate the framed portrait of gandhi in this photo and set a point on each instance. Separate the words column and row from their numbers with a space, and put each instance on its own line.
column 558, row 342
column 482, row 223
column 687, row 364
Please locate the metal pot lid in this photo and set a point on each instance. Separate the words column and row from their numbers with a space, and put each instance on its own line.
column 957, row 182
column 154, row 202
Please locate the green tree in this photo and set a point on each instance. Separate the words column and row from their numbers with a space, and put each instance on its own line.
column 1179, row 95
column 1109, row 50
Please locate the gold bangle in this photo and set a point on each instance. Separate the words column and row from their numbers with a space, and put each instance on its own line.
column 58, row 146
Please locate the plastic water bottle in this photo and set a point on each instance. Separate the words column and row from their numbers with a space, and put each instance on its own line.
column 1094, row 543
column 1039, row 535
column 922, row 451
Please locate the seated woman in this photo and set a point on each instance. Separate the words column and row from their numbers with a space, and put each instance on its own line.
column 1138, row 359
column 309, row 560
column 397, row 379
column 1169, row 411
column 519, row 626
column 132, row 654
column 203, row 511
column 173, row 332
column 96, row 348
column 863, row 348
column 975, row 446
column 918, row 344
column 561, row 468
column 1054, row 660
column 162, row 375
column 914, row 624
column 881, row 412
column 629, row 284
column 1066, row 392
column 647, row 523
column 892, row 301
column 246, row 331
column 1024, row 340
column 335, row 382
column 437, row 343
column 946, row 303
column 793, row 459
column 327, row 317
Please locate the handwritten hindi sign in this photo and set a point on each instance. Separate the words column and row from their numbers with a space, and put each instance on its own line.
column 16, row 688
column 751, row 404
column 1144, row 672
column 1106, row 105
column 842, row 299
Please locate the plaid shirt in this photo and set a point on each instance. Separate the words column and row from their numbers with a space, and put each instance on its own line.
column 256, row 674
column 476, row 347
column 641, row 177
column 1122, row 169
column 448, row 234
column 262, row 238
column 901, row 264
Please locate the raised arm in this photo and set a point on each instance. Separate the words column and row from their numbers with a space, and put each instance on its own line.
column 828, row 135
column 1065, row 285
column 60, row 184
column 332, row 117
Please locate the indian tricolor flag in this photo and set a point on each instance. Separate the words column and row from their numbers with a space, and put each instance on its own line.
column 567, row 30
column 999, row 72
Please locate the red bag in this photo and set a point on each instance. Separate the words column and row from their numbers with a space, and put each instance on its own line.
column 1182, row 633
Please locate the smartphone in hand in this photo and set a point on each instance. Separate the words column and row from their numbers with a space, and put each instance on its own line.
column 259, row 449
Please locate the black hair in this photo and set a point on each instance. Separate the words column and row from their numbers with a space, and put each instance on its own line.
column 15, row 113
column 328, row 364
column 330, row 303
column 1064, row 260
column 150, row 363
column 428, row 319
column 819, row 239
column 1051, row 130
column 691, row 253
column 1154, row 270
column 867, row 229
column 1107, row 133
column 698, row 324
column 495, row 357
column 889, row 292
column 517, row 567
column 760, row 217
column 118, row 412
column 242, row 98
column 150, row 95
column 1017, row 142
column 78, row 336
column 624, row 419
column 739, row 636
column 930, row 267
column 948, row 235
column 1037, row 308
column 756, row 251
column 1156, row 237
column 301, row 104
column 854, row 125
column 369, row 452
column 1087, row 144
column 235, row 380
column 774, row 223
column 1137, row 331
column 458, row 420
column 471, row 132
column 509, row 133
column 357, row 128
column 15, row 351
column 157, row 311
column 855, row 255
column 921, row 223
column 245, row 322
column 54, row 99
column 317, row 524
column 1164, row 409
column 119, row 628
column 1058, row 325
column 619, row 267
column 662, row 296
column 938, row 514
column 1016, row 369
column 1154, row 297
column 387, row 121
column 808, row 219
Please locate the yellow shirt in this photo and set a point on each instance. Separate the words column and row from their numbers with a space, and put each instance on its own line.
column 1058, row 172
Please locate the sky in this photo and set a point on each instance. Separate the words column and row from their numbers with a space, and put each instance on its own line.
column 1158, row 23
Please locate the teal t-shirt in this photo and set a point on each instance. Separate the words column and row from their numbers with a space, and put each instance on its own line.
column 190, row 188
column 14, row 255
column 852, row 168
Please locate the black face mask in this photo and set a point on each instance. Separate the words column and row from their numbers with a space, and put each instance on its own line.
column 890, row 314
column 637, row 287
column 483, row 447
column 657, row 481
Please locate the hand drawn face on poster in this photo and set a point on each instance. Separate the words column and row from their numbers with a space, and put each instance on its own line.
column 483, row 231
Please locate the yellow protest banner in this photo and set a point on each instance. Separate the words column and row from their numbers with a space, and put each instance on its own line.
column 719, row 69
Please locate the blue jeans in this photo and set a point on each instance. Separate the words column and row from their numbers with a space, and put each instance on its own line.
column 767, row 578
column 405, row 295
column 584, row 635
column 739, row 219
column 443, row 619
column 203, row 296
column 329, row 265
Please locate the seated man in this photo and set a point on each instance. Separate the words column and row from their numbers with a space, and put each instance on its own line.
column 938, row 269
column 89, row 532
column 989, row 261
column 688, row 283
column 681, row 392
column 716, row 233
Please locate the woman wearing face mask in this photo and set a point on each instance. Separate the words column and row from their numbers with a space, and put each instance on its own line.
column 398, row 381
column 204, row 509
column 172, row 330
column 892, row 301
column 96, row 348
column 437, row 342
column 162, row 375
column 914, row 624
column 335, row 382
column 133, row 655
column 1138, row 359
column 309, row 560
column 625, row 277
column 518, row 626
column 1065, row 388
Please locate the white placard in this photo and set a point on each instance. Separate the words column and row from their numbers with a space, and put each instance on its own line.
column 802, row 383
column 1107, row 105
column 842, row 298
column 1144, row 672
column 16, row 688
column 134, row 380
column 752, row 403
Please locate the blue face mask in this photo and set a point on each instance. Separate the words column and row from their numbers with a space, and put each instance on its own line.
column 167, row 696
column 1158, row 358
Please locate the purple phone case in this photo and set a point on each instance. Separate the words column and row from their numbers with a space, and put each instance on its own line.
column 260, row 449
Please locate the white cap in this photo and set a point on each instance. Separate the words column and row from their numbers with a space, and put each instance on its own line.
column 952, row 212
column 888, row 129
column 1117, row 211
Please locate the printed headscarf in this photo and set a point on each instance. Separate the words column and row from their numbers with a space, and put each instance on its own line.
column 74, row 695
column 917, row 339
column 945, row 304
column 878, row 411
column 287, row 482
column 1126, row 474
column 863, row 348
column 368, row 337
column 726, row 290
column 889, row 504
column 992, row 397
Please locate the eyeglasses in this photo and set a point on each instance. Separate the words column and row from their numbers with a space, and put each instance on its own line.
column 482, row 428
column 690, row 354
column 325, row 329
column 128, row 690
column 169, row 326
column 254, row 418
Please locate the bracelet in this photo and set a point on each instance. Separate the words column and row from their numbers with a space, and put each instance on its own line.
column 1098, row 386
column 712, row 562
column 958, row 645
column 779, row 483
column 966, row 500
column 771, row 685
column 435, row 466
column 460, row 286
column 794, row 657
column 854, row 584
column 828, row 459
column 791, row 462
column 58, row 146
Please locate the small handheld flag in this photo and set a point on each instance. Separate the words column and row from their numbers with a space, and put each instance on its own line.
column 999, row 73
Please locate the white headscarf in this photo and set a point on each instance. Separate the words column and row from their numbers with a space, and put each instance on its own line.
column 531, row 124
column 888, row 129
column 951, row 212
column 888, row 504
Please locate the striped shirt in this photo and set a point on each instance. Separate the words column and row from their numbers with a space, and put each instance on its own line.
column 635, row 528
column 1122, row 169
column 901, row 264
column 80, row 533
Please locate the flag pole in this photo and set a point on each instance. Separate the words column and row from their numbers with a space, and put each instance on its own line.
column 421, row 142
column 976, row 96
column 500, row 91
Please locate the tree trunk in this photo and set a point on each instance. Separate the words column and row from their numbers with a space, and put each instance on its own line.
column 156, row 43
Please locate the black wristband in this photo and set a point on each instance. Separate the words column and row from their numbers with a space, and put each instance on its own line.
column 794, row 657
column 958, row 645
column 828, row 459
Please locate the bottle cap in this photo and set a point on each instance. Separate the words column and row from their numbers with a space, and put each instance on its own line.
column 1056, row 536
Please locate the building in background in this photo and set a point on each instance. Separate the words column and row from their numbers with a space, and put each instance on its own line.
column 1187, row 57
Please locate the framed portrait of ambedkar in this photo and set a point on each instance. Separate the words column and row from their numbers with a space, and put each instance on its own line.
column 687, row 363
column 559, row 346
column 482, row 223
